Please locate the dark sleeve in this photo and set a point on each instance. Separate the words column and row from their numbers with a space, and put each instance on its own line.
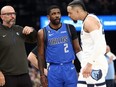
column 32, row 37
column 75, row 36
column 34, row 51
column 73, row 32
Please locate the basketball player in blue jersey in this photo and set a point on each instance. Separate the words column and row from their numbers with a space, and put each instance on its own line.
column 93, row 62
column 59, row 51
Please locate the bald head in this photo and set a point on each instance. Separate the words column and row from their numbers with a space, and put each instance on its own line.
column 8, row 15
column 7, row 9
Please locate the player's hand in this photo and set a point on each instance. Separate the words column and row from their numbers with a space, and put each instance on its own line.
column 44, row 81
column 2, row 79
column 27, row 30
column 87, row 70
column 110, row 59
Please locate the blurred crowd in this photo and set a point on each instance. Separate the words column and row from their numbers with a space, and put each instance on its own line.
column 32, row 9
column 35, row 77
column 38, row 7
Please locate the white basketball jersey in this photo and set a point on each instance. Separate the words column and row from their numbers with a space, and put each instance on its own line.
column 87, row 42
column 90, row 42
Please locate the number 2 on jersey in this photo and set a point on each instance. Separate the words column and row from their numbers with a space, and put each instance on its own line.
column 66, row 48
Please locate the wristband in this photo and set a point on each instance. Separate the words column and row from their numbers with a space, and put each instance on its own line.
column 79, row 55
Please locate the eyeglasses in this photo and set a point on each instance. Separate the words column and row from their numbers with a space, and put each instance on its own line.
column 10, row 13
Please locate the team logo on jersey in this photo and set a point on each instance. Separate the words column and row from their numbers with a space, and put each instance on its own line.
column 17, row 33
column 4, row 35
column 63, row 32
column 72, row 67
column 96, row 74
column 50, row 34
column 49, row 31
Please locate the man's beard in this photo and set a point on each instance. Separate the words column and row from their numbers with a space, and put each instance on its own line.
column 55, row 22
column 11, row 22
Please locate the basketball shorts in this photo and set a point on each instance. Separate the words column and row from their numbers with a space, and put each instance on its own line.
column 62, row 75
column 98, row 74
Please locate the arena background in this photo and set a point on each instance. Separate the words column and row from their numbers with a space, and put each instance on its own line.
column 29, row 12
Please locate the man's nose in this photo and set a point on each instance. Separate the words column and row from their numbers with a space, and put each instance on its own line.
column 57, row 15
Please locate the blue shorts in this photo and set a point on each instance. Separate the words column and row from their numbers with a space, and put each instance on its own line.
column 62, row 75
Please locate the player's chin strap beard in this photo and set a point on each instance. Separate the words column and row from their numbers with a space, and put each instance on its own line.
column 85, row 17
column 75, row 21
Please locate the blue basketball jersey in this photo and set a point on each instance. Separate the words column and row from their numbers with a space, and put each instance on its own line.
column 59, row 46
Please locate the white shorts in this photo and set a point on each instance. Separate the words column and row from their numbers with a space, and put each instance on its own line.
column 101, row 66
